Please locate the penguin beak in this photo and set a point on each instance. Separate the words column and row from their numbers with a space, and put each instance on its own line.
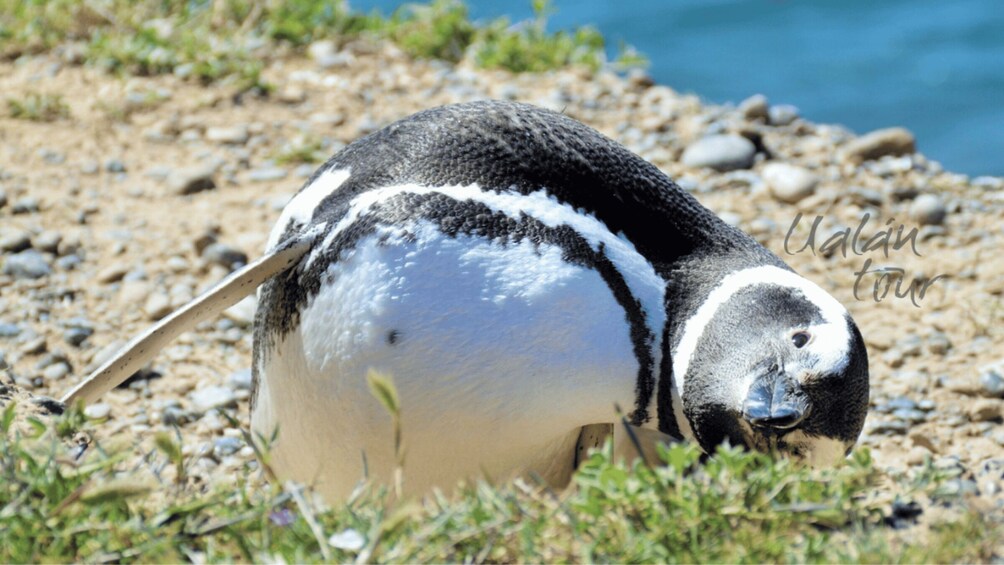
column 775, row 402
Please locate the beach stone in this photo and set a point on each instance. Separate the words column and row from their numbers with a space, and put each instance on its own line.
column 267, row 174
column 789, row 183
column 723, row 152
column 56, row 371
column 754, row 108
column 242, row 313
column 34, row 346
column 879, row 143
column 985, row 410
column 115, row 166
column 938, row 343
column 782, row 114
column 77, row 336
column 3, row 198
column 992, row 384
column 9, row 330
column 112, row 273
column 157, row 306
column 26, row 205
column 231, row 135
column 240, row 379
column 225, row 255
column 28, row 264
column 928, row 209
column 98, row 411
column 225, row 446
column 47, row 241
column 191, row 180
column 212, row 397
column 15, row 241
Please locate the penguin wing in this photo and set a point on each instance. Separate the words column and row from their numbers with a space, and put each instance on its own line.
column 209, row 304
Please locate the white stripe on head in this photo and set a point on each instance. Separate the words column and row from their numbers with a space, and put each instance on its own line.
column 301, row 207
column 643, row 282
column 831, row 338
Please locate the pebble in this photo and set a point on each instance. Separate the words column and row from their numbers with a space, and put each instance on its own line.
column 782, row 114
column 34, row 346
column 157, row 306
column 90, row 167
column 77, row 336
column 47, row 241
column 754, row 108
column 893, row 427
column 243, row 312
column 938, row 343
column 112, row 273
column 9, row 330
column 56, row 371
column 267, row 174
column 879, row 143
column 191, row 180
column 914, row 416
column 211, row 397
column 13, row 242
column 232, row 135
column 985, row 410
column 28, row 264
column 99, row 411
column 225, row 255
column 928, row 209
column 26, row 205
column 789, row 183
column 241, row 379
column 723, row 152
column 115, row 166
column 992, row 383
column 3, row 198
column 225, row 446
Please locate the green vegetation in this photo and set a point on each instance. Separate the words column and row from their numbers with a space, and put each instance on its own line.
column 231, row 39
column 38, row 107
column 733, row 507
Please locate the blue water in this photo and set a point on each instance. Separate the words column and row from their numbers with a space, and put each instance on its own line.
column 933, row 66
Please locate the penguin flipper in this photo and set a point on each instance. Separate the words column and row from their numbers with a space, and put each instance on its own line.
column 209, row 304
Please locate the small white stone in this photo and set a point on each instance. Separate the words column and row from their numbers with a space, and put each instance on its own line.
column 98, row 411
column 789, row 183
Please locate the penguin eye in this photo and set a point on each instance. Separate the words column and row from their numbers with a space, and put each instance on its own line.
column 800, row 338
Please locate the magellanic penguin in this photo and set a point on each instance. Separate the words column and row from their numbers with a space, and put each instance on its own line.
column 519, row 275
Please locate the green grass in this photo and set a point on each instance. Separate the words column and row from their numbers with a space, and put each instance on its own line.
column 733, row 507
column 38, row 107
column 230, row 40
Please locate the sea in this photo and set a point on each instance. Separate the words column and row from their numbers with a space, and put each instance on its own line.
column 935, row 67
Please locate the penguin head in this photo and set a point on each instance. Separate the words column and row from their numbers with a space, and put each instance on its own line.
column 773, row 362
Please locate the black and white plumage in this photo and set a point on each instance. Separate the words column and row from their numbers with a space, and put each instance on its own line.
column 519, row 275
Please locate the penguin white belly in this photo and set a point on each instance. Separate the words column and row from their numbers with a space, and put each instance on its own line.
column 499, row 354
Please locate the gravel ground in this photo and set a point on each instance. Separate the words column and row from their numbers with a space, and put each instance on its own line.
column 154, row 188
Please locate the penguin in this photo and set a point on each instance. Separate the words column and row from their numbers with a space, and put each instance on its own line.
column 523, row 281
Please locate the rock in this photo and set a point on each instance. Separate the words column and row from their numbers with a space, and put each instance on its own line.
column 77, row 336
column 233, row 135
column 26, row 205
column 267, row 174
column 28, row 264
column 879, row 143
column 115, row 166
column 223, row 254
column 964, row 385
column 112, row 273
column 90, row 167
column 243, row 312
column 211, row 397
column 292, row 94
column 782, row 114
column 789, row 183
column 225, row 446
column 992, row 383
column 913, row 416
column 723, row 152
column 47, row 241
column 157, row 306
column 985, row 410
column 938, row 343
column 191, row 180
column 928, row 209
column 56, row 371
column 15, row 241
column 34, row 346
column 241, row 379
column 9, row 330
column 754, row 108
column 99, row 411
column 3, row 198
